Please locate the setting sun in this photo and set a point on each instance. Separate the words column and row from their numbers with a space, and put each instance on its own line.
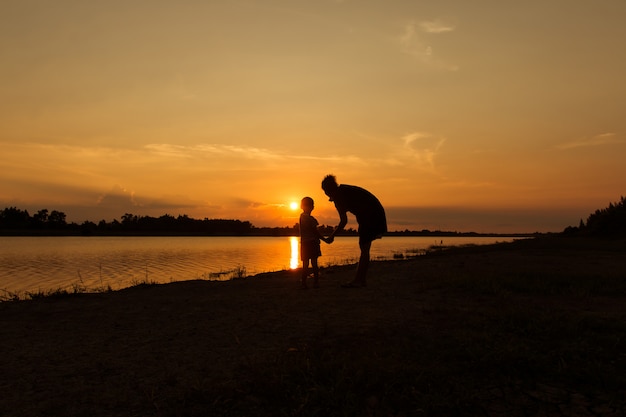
column 293, row 205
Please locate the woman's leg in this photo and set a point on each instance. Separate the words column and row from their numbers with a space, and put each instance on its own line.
column 364, row 262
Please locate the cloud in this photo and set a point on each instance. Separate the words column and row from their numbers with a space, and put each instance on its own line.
column 435, row 26
column 248, row 152
column 98, row 168
column 413, row 43
column 598, row 140
column 422, row 147
column 258, row 155
column 118, row 198
column 410, row 41
column 484, row 220
column 203, row 150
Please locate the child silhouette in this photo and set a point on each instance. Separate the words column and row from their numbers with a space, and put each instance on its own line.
column 309, row 242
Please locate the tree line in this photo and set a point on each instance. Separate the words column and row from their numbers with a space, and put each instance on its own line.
column 607, row 222
column 14, row 221
column 14, row 218
column 17, row 221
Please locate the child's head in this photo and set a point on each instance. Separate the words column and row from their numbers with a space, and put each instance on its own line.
column 307, row 204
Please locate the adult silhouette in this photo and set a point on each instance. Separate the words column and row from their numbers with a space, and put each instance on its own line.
column 369, row 213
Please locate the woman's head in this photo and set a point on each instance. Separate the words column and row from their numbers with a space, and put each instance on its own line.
column 329, row 185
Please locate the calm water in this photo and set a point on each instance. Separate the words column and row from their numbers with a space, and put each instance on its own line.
column 49, row 263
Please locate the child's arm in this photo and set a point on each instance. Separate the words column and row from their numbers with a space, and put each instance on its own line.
column 322, row 238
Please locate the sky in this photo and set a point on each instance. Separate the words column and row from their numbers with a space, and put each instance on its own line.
column 485, row 116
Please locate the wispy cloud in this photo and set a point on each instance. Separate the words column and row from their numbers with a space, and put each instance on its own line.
column 598, row 140
column 117, row 197
column 435, row 26
column 409, row 40
column 85, row 161
column 413, row 42
column 242, row 152
column 422, row 148
column 247, row 152
column 181, row 151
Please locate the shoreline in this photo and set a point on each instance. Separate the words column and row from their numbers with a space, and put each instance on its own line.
column 530, row 328
column 34, row 268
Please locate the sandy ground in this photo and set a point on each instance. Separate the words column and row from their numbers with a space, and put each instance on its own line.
column 207, row 348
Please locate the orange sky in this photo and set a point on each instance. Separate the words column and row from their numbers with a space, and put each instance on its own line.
column 469, row 116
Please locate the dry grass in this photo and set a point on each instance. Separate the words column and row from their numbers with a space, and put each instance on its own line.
column 528, row 328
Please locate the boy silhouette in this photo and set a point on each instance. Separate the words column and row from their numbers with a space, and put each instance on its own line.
column 309, row 242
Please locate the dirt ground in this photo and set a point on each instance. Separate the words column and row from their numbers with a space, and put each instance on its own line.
column 448, row 333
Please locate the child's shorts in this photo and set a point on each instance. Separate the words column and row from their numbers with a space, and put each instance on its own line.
column 310, row 250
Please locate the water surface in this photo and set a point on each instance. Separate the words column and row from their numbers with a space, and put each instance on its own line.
column 31, row 264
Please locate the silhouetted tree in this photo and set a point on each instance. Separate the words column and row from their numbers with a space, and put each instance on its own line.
column 88, row 228
column 40, row 218
column 608, row 222
column 129, row 219
column 14, row 218
column 56, row 219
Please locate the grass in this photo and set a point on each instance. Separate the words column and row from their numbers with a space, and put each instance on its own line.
column 235, row 273
column 75, row 289
column 525, row 338
column 494, row 352
column 454, row 375
column 55, row 293
column 79, row 287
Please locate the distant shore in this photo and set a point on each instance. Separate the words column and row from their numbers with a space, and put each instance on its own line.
column 264, row 232
column 533, row 327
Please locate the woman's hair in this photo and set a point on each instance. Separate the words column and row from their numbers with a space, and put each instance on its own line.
column 329, row 182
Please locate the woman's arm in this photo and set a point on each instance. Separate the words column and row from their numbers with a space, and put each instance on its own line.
column 343, row 221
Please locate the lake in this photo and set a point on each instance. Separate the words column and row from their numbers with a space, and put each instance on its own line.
column 33, row 264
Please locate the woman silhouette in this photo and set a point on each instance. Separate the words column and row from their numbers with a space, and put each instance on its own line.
column 369, row 213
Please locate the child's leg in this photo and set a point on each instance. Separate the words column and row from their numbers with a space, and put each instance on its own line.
column 305, row 272
column 316, row 272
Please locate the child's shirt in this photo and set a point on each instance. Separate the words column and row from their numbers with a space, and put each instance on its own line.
column 308, row 228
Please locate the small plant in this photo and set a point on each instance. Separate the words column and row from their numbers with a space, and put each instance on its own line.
column 239, row 272
column 216, row 275
column 142, row 282
column 103, row 289
column 412, row 253
column 39, row 294
column 9, row 296
column 79, row 287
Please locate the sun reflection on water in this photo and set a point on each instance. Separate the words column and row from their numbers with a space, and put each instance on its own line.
column 294, row 260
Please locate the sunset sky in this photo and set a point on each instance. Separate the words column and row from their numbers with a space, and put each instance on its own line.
column 487, row 116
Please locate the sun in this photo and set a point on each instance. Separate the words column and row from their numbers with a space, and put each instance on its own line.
column 293, row 205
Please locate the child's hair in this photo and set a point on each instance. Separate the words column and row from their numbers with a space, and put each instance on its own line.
column 306, row 201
